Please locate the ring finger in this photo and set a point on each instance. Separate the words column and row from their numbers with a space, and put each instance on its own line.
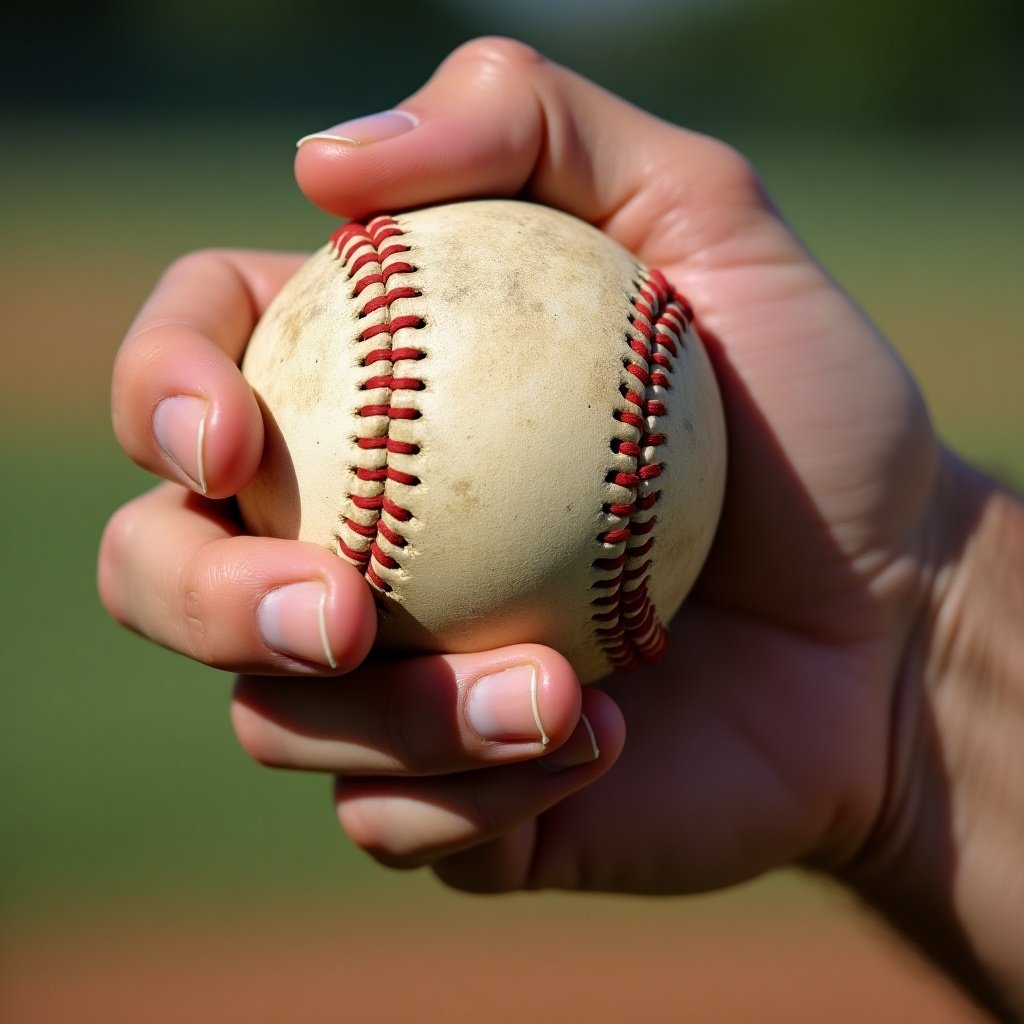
column 406, row 823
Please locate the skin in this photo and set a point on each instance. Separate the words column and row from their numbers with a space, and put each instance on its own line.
column 813, row 703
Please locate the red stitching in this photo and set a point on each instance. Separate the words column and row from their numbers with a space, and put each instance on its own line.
column 370, row 264
column 388, row 297
column 626, row 622
column 393, row 354
column 395, row 511
column 392, row 535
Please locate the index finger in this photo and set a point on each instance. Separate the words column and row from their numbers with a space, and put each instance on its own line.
column 497, row 119
column 180, row 406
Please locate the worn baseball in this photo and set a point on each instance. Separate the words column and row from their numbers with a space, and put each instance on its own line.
column 505, row 421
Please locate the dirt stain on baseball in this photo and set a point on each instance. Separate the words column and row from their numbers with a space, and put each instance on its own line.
column 465, row 491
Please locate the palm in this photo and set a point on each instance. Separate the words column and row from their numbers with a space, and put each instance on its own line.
column 742, row 744
column 741, row 740
column 831, row 455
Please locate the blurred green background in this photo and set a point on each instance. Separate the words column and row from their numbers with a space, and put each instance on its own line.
column 889, row 131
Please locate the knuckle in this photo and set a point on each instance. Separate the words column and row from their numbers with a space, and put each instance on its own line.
column 368, row 823
column 400, row 734
column 481, row 816
column 401, row 831
column 497, row 56
column 418, row 725
column 145, row 334
column 136, row 365
column 184, row 267
column 199, row 593
column 197, row 261
column 196, row 638
column 115, row 544
column 732, row 171
column 735, row 162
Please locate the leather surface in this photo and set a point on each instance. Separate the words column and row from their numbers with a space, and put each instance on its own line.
column 525, row 327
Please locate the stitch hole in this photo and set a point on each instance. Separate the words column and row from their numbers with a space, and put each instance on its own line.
column 618, row 509
column 620, row 479
column 628, row 448
column 618, row 446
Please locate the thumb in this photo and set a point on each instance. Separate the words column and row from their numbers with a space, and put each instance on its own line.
column 497, row 119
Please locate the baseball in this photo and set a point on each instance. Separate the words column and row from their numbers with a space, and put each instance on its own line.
column 500, row 417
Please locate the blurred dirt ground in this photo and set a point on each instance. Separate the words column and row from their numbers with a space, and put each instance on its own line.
column 464, row 961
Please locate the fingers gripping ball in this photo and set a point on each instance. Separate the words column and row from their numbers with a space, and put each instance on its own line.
column 504, row 420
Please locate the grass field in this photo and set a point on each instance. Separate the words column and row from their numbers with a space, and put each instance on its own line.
column 125, row 797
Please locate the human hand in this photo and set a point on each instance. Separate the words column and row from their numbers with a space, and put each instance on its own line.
column 768, row 719
column 781, row 727
column 765, row 730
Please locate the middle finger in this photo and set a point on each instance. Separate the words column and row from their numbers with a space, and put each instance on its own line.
column 424, row 715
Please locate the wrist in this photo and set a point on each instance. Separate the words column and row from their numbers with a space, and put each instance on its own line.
column 943, row 862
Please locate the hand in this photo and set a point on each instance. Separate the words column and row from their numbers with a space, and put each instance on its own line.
column 780, row 727
column 765, row 732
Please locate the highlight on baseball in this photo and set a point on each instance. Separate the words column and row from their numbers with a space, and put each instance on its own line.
column 504, row 420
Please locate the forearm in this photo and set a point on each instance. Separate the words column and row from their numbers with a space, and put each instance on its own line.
column 946, row 862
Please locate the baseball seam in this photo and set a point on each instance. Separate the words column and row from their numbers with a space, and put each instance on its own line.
column 373, row 254
column 628, row 629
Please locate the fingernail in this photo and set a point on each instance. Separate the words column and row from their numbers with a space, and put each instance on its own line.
column 579, row 748
column 505, row 706
column 364, row 131
column 293, row 621
column 179, row 425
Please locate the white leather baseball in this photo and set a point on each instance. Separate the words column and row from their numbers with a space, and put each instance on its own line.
column 504, row 420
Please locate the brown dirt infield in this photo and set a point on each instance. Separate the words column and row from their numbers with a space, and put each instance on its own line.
column 463, row 961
